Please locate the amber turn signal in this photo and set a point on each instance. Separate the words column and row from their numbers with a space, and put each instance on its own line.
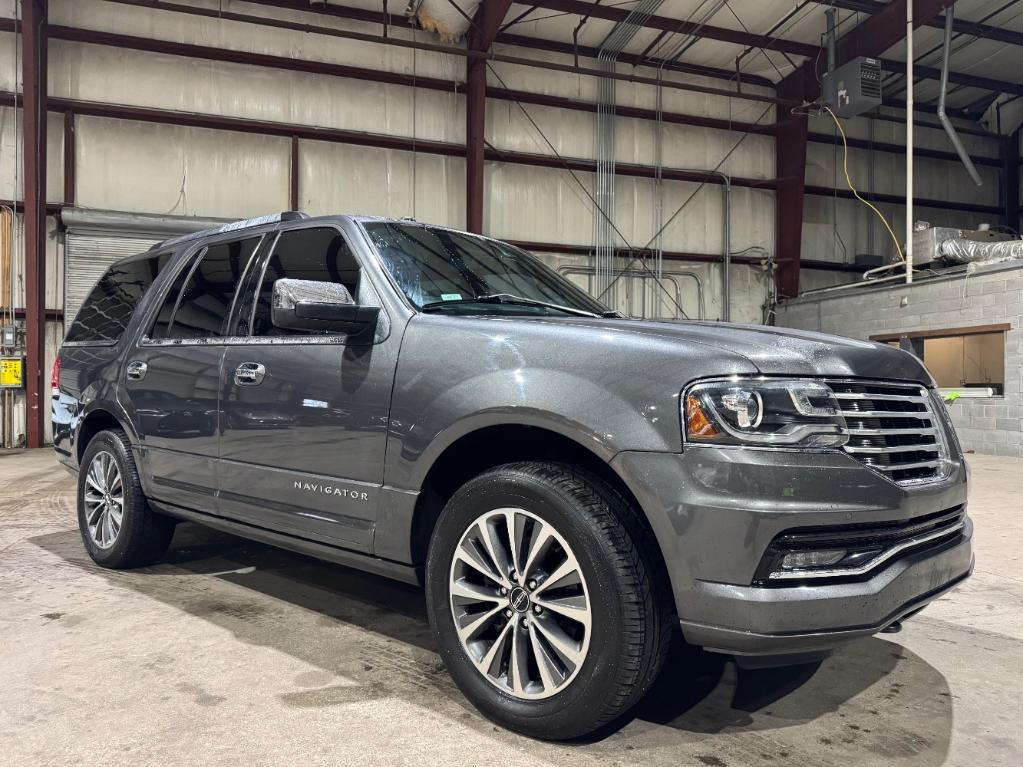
column 697, row 423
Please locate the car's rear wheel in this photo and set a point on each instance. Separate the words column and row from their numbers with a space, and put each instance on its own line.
column 542, row 591
column 118, row 527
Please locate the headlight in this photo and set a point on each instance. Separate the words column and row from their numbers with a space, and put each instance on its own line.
column 802, row 414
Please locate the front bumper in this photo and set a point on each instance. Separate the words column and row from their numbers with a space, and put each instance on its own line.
column 716, row 510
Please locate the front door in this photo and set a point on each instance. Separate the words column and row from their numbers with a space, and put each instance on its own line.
column 304, row 415
column 172, row 376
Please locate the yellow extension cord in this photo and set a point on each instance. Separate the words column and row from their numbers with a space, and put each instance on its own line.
column 845, row 167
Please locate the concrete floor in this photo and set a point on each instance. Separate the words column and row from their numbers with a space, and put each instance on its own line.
column 235, row 653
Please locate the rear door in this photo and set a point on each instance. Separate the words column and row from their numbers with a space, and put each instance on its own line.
column 302, row 440
column 172, row 376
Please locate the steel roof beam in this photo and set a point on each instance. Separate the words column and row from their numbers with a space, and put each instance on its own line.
column 523, row 41
column 961, row 26
column 782, row 45
column 682, row 27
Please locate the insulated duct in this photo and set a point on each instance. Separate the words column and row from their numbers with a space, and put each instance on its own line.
column 449, row 19
column 965, row 251
column 829, row 14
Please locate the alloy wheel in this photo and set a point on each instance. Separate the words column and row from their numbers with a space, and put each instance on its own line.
column 520, row 603
column 104, row 500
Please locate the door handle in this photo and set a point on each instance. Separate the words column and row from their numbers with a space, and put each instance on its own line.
column 249, row 374
column 136, row 370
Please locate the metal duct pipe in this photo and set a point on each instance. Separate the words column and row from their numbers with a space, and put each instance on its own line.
column 830, row 16
column 588, row 271
column 449, row 19
column 604, row 183
column 146, row 223
column 942, row 117
column 726, row 277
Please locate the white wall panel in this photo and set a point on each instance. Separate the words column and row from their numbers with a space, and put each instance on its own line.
column 572, row 134
column 167, row 25
column 11, row 168
column 10, row 58
column 934, row 179
column 141, row 167
column 119, row 76
column 548, row 205
column 337, row 178
column 54, row 265
column 584, row 87
column 887, row 131
column 538, row 204
column 854, row 222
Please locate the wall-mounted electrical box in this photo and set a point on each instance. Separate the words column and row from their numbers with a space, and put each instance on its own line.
column 853, row 88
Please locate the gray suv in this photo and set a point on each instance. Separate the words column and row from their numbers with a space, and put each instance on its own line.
column 570, row 486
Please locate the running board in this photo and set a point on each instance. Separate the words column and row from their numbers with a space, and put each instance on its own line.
column 385, row 567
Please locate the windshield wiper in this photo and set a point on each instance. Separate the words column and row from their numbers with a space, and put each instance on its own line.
column 508, row 298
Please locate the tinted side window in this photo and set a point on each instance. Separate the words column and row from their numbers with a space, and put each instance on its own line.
column 305, row 254
column 162, row 323
column 201, row 308
column 108, row 309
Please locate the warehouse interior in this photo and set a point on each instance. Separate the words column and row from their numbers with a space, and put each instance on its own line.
column 677, row 159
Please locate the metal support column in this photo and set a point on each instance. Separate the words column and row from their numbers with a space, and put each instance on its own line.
column 475, row 119
column 34, row 56
column 1010, row 180
column 790, row 170
column 69, row 158
column 293, row 200
column 480, row 37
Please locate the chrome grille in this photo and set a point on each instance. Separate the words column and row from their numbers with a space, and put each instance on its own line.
column 893, row 429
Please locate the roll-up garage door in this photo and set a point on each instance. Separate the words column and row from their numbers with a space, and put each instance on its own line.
column 97, row 238
column 88, row 256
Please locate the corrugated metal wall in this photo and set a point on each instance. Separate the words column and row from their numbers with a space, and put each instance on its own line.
column 148, row 168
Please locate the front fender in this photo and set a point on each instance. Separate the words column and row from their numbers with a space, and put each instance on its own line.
column 583, row 411
column 608, row 388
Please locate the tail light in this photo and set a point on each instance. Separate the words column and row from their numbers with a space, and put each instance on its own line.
column 55, row 377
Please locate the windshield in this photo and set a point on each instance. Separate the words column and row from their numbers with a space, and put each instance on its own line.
column 445, row 271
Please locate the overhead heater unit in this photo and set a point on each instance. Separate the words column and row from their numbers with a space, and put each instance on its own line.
column 853, row 88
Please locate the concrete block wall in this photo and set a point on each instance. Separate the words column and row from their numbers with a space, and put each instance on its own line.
column 986, row 295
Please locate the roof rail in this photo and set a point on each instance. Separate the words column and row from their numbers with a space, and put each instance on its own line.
column 248, row 223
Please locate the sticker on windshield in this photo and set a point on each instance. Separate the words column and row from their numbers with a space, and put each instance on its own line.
column 450, row 296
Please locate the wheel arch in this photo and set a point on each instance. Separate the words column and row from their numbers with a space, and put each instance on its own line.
column 491, row 446
column 96, row 420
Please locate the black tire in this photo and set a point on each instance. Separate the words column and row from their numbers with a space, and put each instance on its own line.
column 629, row 598
column 144, row 535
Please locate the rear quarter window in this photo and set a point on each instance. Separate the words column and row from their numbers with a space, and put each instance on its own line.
column 105, row 314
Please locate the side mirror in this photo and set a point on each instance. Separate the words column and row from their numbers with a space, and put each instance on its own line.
column 311, row 305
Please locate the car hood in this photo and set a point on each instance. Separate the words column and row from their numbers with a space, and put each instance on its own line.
column 785, row 351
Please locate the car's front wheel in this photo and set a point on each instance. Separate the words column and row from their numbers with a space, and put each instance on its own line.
column 542, row 591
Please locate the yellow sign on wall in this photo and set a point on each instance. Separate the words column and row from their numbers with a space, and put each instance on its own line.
column 11, row 372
